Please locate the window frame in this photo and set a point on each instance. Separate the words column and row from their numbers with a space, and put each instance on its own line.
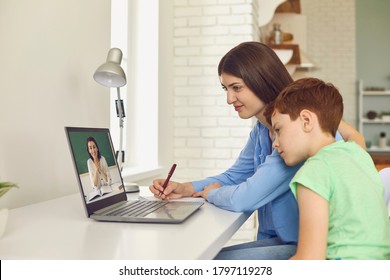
column 135, row 29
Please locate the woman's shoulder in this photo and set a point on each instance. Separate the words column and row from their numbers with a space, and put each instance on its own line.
column 259, row 128
column 89, row 163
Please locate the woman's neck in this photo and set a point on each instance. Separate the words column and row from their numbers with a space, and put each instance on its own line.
column 264, row 122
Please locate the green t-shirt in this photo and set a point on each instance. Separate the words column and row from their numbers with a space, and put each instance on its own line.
column 345, row 175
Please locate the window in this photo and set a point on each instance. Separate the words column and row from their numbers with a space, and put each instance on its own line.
column 134, row 29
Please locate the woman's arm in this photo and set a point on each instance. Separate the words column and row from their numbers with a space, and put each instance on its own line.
column 105, row 172
column 255, row 179
column 313, row 225
column 270, row 180
column 92, row 173
column 242, row 169
column 350, row 134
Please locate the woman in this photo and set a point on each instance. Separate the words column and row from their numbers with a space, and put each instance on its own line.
column 252, row 76
column 97, row 165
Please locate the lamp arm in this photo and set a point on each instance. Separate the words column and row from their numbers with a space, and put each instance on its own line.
column 120, row 111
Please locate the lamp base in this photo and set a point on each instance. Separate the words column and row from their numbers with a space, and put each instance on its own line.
column 131, row 187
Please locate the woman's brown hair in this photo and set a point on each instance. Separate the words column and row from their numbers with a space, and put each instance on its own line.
column 259, row 67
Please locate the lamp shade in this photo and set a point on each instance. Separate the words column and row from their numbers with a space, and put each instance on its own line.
column 111, row 74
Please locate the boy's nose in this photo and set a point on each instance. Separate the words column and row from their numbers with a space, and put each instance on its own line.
column 275, row 144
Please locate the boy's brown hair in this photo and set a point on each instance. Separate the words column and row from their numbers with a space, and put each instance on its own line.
column 314, row 95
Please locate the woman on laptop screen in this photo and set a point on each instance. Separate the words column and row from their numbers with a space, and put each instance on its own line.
column 97, row 165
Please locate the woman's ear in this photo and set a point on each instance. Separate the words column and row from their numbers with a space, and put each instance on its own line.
column 307, row 119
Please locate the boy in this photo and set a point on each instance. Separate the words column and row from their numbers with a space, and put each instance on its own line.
column 342, row 214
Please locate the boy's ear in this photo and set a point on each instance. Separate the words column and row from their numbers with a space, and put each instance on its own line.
column 307, row 119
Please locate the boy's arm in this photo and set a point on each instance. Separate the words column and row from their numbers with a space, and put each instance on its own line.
column 313, row 225
column 350, row 134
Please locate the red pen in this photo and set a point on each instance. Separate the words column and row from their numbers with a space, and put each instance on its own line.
column 167, row 180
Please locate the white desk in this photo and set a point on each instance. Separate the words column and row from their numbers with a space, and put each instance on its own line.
column 59, row 229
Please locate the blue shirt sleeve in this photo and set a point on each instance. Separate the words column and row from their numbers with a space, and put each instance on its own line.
column 243, row 168
column 271, row 179
column 338, row 136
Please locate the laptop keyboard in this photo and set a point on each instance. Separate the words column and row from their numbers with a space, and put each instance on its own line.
column 138, row 208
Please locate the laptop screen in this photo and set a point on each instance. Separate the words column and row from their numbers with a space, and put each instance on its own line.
column 96, row 168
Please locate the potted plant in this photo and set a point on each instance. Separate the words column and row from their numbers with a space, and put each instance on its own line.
column 4, row 188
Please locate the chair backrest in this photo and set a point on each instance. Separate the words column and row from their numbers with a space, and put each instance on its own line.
column 385, row 176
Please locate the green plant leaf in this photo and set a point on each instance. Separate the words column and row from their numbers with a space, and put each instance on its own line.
column 5, row 187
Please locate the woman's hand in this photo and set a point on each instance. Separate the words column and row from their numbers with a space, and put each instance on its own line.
column 96, row 165
column 206, row 190
column 351, row 134
column 174, row 190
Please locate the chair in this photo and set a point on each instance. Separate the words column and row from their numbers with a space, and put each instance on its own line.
column 385, row 176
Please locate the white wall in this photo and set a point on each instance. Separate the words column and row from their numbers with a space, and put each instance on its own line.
column 208, row 134
column 331, row 44
column 48, row 53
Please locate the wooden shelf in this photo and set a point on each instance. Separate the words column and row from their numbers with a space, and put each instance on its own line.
column 375, row 121
column 376, row 149
column 381, row 160
column 290, row 6
column 296, row 57
column 373, row 102
column 376, row 93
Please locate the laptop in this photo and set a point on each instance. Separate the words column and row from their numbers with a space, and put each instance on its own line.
column 102, row 189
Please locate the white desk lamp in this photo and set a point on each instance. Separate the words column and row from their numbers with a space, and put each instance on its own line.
column 111, row 74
